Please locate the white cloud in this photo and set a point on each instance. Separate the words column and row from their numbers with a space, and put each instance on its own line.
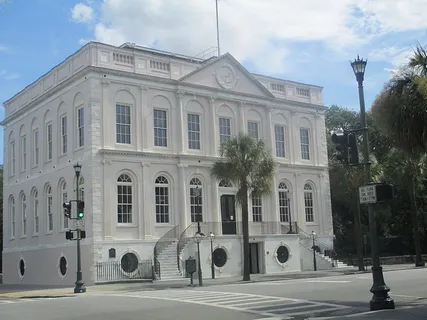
column 8, row 75
column 258, row 31
column 3, row 48
column 83, row 41
column 82, row 13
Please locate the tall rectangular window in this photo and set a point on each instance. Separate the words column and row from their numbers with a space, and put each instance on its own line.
column 305, row 143
column 36, row 150
column 279, row 132
column 123, row 131
column 80, row 127
column 49, row 141
column 224, row 129
column 64, row 141
column 12, row 165
column 160, row 128
column 256, row 208
column 23, row 153
column 253, row 130
column 193, row 131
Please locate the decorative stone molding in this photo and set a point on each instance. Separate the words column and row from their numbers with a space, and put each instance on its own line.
column 106, row 161
column 226, row 76
column 144, row 88
column 106, row 82
column 282, row 264
column 182, row 165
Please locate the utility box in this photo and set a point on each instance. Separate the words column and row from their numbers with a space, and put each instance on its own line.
column 190, row 266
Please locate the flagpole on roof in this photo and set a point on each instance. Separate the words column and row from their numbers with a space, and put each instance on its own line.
column 217, row 28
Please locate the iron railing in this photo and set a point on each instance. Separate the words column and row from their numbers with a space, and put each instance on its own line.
column 166, row 240
column 108, row 271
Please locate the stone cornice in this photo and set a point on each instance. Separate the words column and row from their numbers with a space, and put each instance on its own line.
column 188, row 157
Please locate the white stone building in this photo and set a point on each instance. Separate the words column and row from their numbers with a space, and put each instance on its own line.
column 146, row 126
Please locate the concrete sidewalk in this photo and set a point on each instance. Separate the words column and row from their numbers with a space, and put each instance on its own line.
column 27, row 291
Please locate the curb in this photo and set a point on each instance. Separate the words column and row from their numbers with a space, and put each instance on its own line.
column 37, row 294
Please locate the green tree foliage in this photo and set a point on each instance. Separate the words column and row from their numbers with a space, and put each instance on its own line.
column 250, row 165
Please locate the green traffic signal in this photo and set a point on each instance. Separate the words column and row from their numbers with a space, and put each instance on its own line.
column 80, row 209
column 81, row 215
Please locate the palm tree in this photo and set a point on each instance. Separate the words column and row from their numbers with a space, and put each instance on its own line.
column 250, row 165
column 400, row 110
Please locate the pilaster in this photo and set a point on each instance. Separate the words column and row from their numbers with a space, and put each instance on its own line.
column 143, row 116
column 241, row 120
column 183, row 221
column 294, row 138
column 270, row 132
column 106, row 134
column 181, row 124
column 107, row 207
column 146, row 223
column 214, row 130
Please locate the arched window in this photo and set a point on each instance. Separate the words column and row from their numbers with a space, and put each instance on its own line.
column 308, row 203
column 225, row 184
column 49, row 208
column 24, row 214
column 36, row 211
column 196, row 200
column 124, row 199
column 283, row 202
column 162, row 200
column 64, row 198
column 12, row 216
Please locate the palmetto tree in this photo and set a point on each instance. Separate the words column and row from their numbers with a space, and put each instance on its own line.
column 401, row 111
column 250, row 165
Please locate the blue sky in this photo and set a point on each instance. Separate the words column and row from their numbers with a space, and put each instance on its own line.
column 308, row 41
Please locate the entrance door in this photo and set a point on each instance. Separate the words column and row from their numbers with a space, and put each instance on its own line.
column 228, row 214
column 253, row 258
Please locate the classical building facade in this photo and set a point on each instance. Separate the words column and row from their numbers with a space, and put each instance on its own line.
column 146, row 127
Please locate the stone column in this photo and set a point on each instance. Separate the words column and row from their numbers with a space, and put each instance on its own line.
column 270, row 131
column 216, row 210
column 241, row 120
column 182, row 200
column 214, row 140
column 294, row 139
column 106, row 115
column 146, row 225
column 181, row 122
column 142, row 117
column 108, row 200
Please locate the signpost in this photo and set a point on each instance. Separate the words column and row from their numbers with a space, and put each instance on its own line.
column 368, row 194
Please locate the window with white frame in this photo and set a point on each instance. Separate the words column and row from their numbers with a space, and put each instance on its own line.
column 49, row 142
column 12, row 157
column 80, row 127
column 256, row 208
column 161, row 186
column 23, row 215
column 305, row 143
column 283, row 202
column 193, row 131
column 253, row 129
column 64, row 198
column 23, row 153
column 224, row 129
column 49, row 208
column 123, row 130
column 12, row 216
column 279, row 132
column 64, row 133
column 82, row 188
column 196, row 200
column 124, row 199
column 36, row 212
column 308, row 203
column 36, row 147
column 160, row 128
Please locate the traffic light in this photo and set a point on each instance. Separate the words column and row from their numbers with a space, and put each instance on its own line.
column 69, row 235
column 342, row 145
column 82, row 234
column 67, row 209
column 353, row 153
column 80, row 209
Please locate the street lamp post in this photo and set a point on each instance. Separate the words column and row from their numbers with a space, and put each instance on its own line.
column 79, row 288
column 380, row 299
column 198, row 238
column 211, row 237
column 314, row 251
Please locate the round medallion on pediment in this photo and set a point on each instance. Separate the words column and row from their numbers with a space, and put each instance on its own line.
column 226, row 76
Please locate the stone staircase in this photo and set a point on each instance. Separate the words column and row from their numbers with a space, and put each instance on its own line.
column 168, row 262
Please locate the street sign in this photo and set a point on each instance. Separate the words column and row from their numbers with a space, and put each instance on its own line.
column 368, row 194
column 80, row 224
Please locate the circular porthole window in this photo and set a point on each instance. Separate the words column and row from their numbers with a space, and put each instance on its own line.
column 219, row 257
column 22, row 267
column 63, row 265
column 129, row 262
column 282, row 254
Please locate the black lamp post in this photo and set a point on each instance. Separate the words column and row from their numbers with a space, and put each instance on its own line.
column 380, row 299
column 79, row 288
column 211, row 237
column 198, row 196
column 313, row 234
column 198, row 238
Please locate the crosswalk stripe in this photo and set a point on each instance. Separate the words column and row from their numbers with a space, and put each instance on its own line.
column 270, row 306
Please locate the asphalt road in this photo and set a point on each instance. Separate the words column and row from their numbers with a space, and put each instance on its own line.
column 339, row 297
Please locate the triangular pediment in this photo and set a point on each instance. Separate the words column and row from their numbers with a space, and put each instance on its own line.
column 227, row 73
